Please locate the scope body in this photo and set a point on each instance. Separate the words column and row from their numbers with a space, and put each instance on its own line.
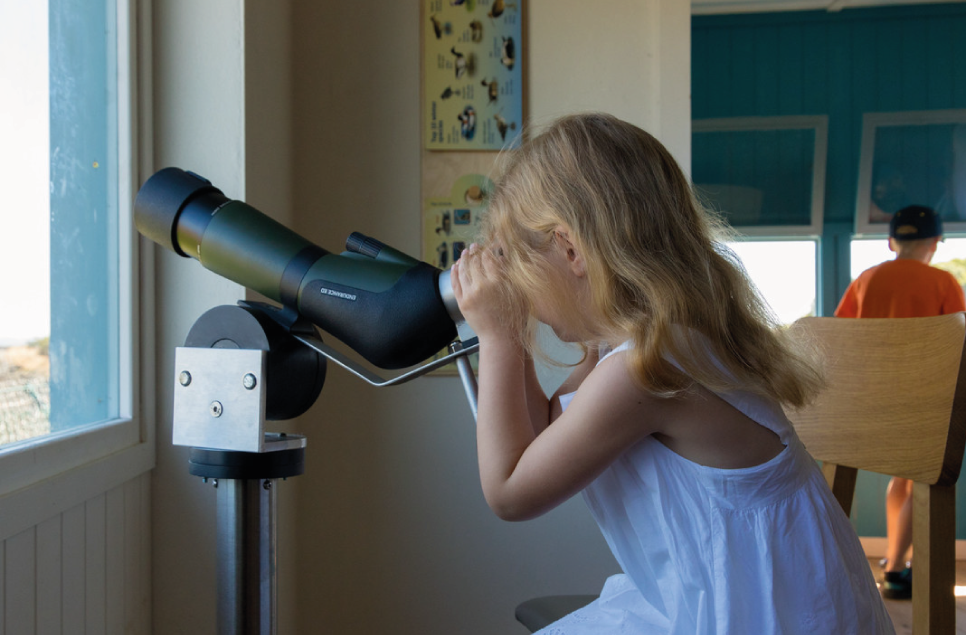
column 385, row 305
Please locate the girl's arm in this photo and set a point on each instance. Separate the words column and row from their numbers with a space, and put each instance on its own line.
column 537, row 403
column 524, row 475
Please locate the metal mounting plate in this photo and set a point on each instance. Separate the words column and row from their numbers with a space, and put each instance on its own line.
column 213, row 408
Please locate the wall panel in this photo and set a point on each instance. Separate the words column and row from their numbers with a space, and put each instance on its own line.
column 49, row 588
column 72, row 569
column 791, row 56
column 3, row 588
column 21, row 573
column 83, row 571
column 95, row 569
column 114, row 538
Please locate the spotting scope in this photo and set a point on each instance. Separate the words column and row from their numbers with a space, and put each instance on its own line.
column 393, row 310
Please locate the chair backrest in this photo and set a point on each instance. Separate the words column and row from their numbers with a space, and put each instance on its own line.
column 896, row 397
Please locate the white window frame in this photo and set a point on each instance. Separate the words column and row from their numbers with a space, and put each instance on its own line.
column 871, row 122
column 817, row 123
column 47, row 475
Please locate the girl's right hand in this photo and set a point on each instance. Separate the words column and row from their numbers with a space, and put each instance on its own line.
column 479, row 285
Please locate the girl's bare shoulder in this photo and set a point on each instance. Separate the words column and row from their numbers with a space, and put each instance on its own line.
column 611, row 397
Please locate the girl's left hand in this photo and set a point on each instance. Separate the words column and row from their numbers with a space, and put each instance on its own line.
column 480, row 289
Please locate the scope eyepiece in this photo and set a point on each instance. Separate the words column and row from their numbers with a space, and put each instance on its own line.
column 162, row 200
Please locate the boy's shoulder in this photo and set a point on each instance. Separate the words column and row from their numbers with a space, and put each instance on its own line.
column 905, row 274
column 905, row 266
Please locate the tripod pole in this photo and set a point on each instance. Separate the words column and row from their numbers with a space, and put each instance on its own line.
column 247, row 594
column 246, row 521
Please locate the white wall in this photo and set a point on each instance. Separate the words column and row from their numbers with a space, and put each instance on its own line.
column 631, row 58
column 393, row 533
column 220, row 108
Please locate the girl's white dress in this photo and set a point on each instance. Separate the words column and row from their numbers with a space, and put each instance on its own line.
column 704, row 551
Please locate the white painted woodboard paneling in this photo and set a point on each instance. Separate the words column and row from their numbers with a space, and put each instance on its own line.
column 132, row 535
column 82, row 571
column 142, row 617
column 49, row 586
column 20, row 572
column 114, row 533
column 72, row 569
column 3, row 587
column 95, row 570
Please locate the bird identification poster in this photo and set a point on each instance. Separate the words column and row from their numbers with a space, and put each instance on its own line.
column 472, row 74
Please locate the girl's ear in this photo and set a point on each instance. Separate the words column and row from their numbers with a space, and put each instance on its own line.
column 575, row 257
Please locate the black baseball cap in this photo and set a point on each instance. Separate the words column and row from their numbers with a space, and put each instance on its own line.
column 915, row 222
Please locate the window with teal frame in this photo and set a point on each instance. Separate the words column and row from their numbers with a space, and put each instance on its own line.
column 765, row 175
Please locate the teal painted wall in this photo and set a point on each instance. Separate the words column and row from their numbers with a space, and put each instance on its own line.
column 842, row 65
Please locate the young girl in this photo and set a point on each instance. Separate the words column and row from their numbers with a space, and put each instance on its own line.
column 672, row 426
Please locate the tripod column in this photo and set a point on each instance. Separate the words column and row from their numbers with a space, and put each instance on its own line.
column 246, row 519
column 247, row 597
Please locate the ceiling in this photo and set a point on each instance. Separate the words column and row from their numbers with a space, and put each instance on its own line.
column 709, row 7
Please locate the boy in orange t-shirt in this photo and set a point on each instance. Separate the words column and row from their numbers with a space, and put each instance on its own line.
column 904, row 287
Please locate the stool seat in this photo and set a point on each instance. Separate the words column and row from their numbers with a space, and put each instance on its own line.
column 544, row 611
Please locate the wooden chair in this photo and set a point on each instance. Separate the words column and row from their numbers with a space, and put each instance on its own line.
column 896, row 405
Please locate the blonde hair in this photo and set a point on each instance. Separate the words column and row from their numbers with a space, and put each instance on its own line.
column 655, row 269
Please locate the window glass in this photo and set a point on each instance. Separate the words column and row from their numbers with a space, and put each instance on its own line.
column 757, row 177
column 784, row 272
column 912, row 157
column 59, row 257
column 766, row 175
